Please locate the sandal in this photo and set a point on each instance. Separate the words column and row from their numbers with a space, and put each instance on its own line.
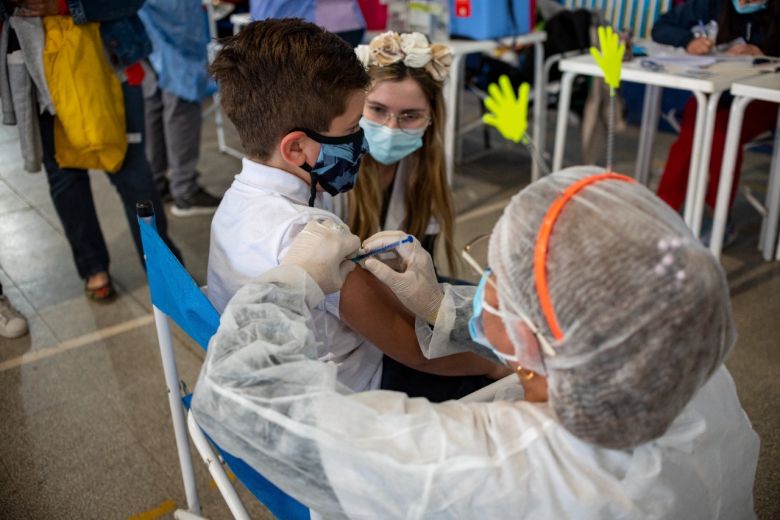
column 103, row 294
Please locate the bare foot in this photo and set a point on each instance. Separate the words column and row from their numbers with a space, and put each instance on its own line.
column 97, row 280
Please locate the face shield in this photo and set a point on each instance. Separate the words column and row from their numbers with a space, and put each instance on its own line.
column 525, row 355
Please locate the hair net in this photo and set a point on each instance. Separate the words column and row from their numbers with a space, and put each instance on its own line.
column 643, row 306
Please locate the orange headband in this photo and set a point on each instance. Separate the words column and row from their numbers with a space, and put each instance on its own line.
column 543, row 242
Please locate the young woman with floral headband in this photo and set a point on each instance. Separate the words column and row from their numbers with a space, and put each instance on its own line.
column 402, row 184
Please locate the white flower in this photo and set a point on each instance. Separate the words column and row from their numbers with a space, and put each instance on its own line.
column 416, row 48
column 363, row 54
column 441, row 59
column 386, row 49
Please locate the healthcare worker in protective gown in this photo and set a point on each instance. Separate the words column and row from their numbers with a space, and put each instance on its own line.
column 615, row 318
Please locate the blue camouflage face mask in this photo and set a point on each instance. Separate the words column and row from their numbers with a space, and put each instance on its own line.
column 338, row 162
column 748, row 8
column 390, row 145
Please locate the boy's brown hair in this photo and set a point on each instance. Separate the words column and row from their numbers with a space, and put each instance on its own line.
column 278, row 75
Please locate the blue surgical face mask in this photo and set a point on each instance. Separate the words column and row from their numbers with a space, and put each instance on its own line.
column 748, row 8
column 390, row 145
column 338, row 162
column 476, row 329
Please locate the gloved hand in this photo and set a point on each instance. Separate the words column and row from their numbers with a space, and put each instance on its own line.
column 416, row 287
column 322, row 249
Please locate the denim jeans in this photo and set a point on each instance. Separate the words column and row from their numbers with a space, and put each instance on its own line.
column 72, row 195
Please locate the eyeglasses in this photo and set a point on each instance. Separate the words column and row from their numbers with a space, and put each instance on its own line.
column 411, row 121
column 477, row 248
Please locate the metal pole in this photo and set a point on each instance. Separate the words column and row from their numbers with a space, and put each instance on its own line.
column 145, row 211
column 563, row 112
column 611, row 129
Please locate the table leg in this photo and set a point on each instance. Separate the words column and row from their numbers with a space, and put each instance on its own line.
column 693, row 171
column 540, row 109
column 777, row 253
column 650, row 110
column 564, row 102
column 451, row 92
column 730, row 150
column 772, row 220
column 704, row 162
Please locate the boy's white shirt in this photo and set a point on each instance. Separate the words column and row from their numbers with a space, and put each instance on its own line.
column 259, row 216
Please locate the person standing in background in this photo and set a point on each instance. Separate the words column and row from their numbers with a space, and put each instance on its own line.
column 126, row 44
column 12, row 323
column 172, row 100
column 342, row 17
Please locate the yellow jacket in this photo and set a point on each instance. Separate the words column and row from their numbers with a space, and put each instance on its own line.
column 89, row 130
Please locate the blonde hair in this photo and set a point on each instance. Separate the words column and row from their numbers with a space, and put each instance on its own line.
column 426, row 193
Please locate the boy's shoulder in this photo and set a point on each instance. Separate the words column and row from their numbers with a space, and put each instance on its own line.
column 263, row 209
column 258, row 217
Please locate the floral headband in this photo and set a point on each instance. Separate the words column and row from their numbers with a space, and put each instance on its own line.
column 412, row 49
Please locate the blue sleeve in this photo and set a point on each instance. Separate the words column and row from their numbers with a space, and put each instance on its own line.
column 674, row 27
column 84, row 11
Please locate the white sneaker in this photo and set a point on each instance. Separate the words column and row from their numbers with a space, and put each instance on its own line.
column 12, row 324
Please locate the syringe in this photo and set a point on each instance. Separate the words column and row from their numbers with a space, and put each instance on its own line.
column 408, row 239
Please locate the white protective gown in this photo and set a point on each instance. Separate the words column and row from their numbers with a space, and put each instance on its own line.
column 263, row 397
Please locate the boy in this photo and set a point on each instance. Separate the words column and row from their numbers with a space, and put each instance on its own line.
column 295, row 94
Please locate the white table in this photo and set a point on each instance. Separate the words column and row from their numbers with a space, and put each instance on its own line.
column 764, row 88
column 454, row 88
column 239, row 21
column 707, row 91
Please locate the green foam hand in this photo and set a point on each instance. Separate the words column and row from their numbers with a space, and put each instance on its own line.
column 610, row 59
column 507, row 113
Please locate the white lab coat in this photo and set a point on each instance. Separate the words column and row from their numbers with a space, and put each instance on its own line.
column 396, row 209
column 381, row 454
column 261, row 213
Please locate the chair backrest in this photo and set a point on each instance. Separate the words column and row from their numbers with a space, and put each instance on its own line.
column 639, row 15
column 173, row 290
column 175, row 295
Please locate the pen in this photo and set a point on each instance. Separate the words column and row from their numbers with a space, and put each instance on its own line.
column 651, row 65
column 700, row 31
column 408, row 239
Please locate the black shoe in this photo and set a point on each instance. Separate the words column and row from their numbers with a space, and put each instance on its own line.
column 199, row 203
column 165, row 193
column 163, row 190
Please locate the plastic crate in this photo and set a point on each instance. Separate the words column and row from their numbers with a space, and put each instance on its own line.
column 489, row 19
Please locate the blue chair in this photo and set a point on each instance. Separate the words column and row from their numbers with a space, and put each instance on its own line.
column 175, row 295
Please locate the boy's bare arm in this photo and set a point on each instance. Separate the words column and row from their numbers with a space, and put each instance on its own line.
column 373, row 311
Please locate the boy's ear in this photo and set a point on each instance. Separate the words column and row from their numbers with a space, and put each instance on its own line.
column 293, row 146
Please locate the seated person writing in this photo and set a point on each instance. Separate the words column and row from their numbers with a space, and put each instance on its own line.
column 295, row 94
column 754, row 23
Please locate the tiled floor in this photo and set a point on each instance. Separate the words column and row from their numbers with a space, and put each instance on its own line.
column 84, row 424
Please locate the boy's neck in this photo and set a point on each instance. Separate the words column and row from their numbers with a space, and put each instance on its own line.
column 281, row 164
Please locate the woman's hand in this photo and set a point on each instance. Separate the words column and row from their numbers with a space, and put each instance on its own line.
column 416, row 287
column 745, row 49
column 699, row 46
